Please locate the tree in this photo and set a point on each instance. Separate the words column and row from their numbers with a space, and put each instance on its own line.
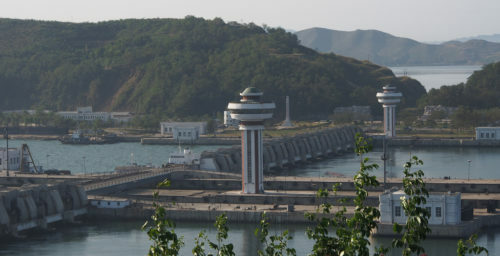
column 417, row 222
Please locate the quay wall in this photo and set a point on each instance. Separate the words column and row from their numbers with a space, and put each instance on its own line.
column 462, row 230
column 286, row 151
column 200, row 141
column 434, row 142
column 144, row 212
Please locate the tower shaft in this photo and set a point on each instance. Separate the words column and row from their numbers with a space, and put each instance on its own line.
column 251, row 161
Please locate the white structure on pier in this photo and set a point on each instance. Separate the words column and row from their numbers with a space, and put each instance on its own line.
column 251, row 112
column 487, row 133
column 389, row 98
column 445, row 208
column 167, row 128
column 287, row 122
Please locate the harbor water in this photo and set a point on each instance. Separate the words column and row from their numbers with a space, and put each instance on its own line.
column 126, row 238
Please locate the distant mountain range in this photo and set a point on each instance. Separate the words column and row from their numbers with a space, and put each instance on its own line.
column 385, row 49
column 491, row 38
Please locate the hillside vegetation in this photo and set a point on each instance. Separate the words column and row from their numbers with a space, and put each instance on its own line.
column 178, row 68
column 385, row 49
column 481, row 91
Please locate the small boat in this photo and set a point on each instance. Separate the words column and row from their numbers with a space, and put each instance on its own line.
column 186, row 157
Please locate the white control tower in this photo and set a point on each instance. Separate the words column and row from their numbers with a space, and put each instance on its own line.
column 252, row 113
column 389, row 98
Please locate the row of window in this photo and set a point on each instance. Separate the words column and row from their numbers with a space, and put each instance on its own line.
column 487, row 135
column 437, row 211
column 14, row 160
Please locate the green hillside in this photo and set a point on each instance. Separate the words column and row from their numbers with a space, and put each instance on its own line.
column 385, row 49
column 178, row 68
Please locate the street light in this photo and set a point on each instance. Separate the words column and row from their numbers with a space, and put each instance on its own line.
column 468, row 171
column 84, row 170
column 47, row 161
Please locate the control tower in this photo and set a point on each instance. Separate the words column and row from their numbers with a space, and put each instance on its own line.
column 252, row 113
column 389, row 98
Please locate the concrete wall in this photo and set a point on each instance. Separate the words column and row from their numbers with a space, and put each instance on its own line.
column 32, row 203
column 287, row 151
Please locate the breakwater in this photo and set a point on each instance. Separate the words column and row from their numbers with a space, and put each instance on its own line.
column 200, row 141
column 434, row 142
column 37, row 205
column 290, row 151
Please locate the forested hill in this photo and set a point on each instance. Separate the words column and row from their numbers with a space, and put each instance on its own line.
column 482, row 90
column 177, row 68
column 386, row 49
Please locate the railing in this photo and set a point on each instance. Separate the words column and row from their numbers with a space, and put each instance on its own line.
column 118, row 179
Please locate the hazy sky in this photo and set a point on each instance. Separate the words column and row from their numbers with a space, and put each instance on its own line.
column 423, row 20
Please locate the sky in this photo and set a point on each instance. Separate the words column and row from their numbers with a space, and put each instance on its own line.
column 422, row 20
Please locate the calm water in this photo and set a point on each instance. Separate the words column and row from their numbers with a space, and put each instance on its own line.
column 97, row 158
column 126, row 238
column 438, row 162
column 436, row 76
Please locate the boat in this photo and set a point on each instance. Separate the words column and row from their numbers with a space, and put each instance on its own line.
column 185, row 157
column 78, row 137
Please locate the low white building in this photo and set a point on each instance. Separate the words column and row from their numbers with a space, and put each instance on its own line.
column 85, row 114
column 167, row 128
column 14, row 158
column 186, row 134
column 487, row 133
column 121, row 117
column 228, row 121
column 445, row 208
column 110, row 203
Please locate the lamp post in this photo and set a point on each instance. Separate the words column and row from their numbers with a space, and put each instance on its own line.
column 84, row 170
column 6, row 137
column 384, row 158
column 47, row 160
column 468, row 170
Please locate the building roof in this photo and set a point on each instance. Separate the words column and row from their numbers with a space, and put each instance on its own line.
column 251, row 91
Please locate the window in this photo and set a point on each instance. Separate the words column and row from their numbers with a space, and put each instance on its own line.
column 482, row 135
column 493, row 135
column 180, row 134
column 438, row 211
column 397, row 211
column 429, row 209
column 487, row 135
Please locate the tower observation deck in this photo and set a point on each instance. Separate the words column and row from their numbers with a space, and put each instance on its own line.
column 389, row 98
column 252, row 113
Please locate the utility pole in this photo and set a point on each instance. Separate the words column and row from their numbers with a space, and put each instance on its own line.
column 384, row 158
column 6, row 137
column 468, row 170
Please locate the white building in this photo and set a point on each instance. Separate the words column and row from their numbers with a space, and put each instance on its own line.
column 186, row 134
column 487, row 133
column 228, row 121
column 445, row 208
column 110, row 203
column 121, row 117
column 85, row 114
column 167, row 128
column 14, row 158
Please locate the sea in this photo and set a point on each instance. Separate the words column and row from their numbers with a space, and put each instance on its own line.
column 433, row 77
column 123, row 238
